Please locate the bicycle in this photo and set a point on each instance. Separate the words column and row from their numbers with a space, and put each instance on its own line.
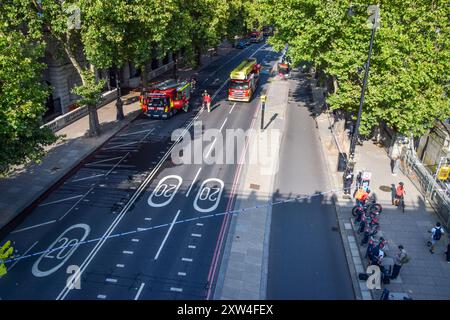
column 370, row 207
column 400, row 202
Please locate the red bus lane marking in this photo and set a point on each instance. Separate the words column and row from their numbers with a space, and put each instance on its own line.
column 215, row 259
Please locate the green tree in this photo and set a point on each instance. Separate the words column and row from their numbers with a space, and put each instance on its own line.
column 22, row 92
column 410, row 67
column 117, row 32
column 62, row 20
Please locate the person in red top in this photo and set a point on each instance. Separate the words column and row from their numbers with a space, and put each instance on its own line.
column 399, row 193
column 207, row 100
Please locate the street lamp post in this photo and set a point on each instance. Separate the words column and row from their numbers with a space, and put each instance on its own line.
column 355, row 133
column 361, row 101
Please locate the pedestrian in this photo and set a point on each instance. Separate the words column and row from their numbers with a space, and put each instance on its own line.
column 207, row 100
column 399, row 193
column 348, row 180
column 361, row 196
column 400, row 258
column 436, row 234
column 395, row 165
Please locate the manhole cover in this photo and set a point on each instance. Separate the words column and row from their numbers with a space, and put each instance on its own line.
column 385, row 188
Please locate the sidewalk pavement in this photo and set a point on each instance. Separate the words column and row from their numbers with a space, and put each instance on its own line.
column 243, row 273
column 426, row 276
column 27, row 184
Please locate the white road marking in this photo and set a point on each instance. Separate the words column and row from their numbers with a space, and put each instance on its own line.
column 234, row 105
column 58, row 201
column 148, row 219
column 221, row 127
column 65, row 291
column 167, row 234
column 139, row 291
column 210, row 148
column 141, row 229
column 127, row 252
column 35, row 226
column 18, row 258
column 111, row 280
column 106, row 160
column 63, row 255
column 186, row 259
column 176, row 289
column 135, row 240
column 129, row 143
column 193, row 181
column 191, row 247
column 86, row 178
column 75, row 204
column 101, row 296
column 166, row 190
column 196, row 235
column 214, row 197
column 182, row 274
column 120, row 265
column 136, row 132
column 199, row 224
column 126, row 155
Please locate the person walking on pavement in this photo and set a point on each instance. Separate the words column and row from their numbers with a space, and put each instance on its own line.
column 399, row 193
column 348, row 180
column 436, row 234
column 400, row 258
column 207, row 100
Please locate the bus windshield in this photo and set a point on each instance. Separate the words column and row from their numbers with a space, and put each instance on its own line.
column 238, row 85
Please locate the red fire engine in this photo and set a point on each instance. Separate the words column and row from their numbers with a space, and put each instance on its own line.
column 164, row 99
column 244, row 80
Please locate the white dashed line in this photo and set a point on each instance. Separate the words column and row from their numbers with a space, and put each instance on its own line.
column 199, row 224
column 127, row 252
column 234, row 105
column 167, row 234
column 120, row 265
column 196, row 235
column 223, row 124
column 186, row 259
column 193, row 181
column 135, row 240
column 141, row 229
column 101, row 296
column 176, row 289
column 111, row 280
column 139, row 291
column 148, row 219
column 182, row 274
column 191, row 247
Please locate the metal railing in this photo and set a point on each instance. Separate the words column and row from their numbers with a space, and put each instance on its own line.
column 425, row 182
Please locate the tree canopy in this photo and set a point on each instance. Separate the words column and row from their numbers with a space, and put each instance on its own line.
column 410, row 66
column 22, row 92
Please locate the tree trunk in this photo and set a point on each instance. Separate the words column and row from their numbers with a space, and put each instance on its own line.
column 175, row 66
column 94, row 125
column 198, row 51
column 143, row 76
column 119, row 103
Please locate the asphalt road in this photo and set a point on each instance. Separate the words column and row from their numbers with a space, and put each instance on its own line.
column 126, row 219
column 306, row 254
